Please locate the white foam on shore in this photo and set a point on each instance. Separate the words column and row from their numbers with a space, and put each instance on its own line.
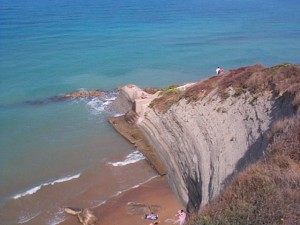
column 37, row 188
column 129, row 159
column 57, row 220
column 100, row 203
column 125, row 190
column 27, row 217
column 59, row 217
column 136, row 186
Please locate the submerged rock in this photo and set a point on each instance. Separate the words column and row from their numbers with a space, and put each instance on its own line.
column 86, row 216
column 73, row 211
column 83, row 94
column 73, row 95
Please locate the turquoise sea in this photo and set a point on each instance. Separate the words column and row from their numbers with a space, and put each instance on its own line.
column 56, row 154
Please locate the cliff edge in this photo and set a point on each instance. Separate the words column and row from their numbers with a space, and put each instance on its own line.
column 205, row 133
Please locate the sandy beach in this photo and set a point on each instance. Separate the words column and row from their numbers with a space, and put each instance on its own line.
column 130, row 207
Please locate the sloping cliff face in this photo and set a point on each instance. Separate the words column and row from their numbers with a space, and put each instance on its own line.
column 204, row 143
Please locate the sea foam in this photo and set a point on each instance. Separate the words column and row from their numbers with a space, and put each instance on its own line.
column 35, row 189
column 135, row 186
column 129, row 159
column 99, row 105
column 27, row 217
column 125, row 190
column 58, row 217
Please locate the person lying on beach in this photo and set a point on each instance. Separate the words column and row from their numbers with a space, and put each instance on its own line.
column 151, row 216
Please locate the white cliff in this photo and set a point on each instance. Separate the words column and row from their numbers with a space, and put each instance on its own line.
column 204, row 143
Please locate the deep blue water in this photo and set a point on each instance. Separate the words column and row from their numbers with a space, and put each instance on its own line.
column 51, row 47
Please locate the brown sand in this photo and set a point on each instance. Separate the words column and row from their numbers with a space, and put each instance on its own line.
column 156, row 194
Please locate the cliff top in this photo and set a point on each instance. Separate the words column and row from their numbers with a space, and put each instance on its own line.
column 277, row 80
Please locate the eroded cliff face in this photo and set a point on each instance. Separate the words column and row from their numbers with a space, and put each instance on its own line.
column 205, row 133
column 204, row 144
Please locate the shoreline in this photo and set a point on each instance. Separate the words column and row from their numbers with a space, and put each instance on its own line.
column 135, row 136
column 129, row 207
column 155, row 195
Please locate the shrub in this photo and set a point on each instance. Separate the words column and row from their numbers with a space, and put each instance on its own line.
column 239, row 91
column 167, row 98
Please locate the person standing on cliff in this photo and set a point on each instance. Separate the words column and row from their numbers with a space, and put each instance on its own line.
column 181, row 217
column 218, row 71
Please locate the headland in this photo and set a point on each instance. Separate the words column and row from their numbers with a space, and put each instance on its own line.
column 206, row 133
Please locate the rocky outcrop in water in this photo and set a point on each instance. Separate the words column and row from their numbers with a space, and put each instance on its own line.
column 217, row 127
column 82, row 94
column 73, row 95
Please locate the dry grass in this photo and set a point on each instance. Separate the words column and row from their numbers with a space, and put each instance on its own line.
column 257, row 79
column 278, row 80
column 167, row 98
column 267, row 192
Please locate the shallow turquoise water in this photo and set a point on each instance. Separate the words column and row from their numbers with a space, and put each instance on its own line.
column 48, row 48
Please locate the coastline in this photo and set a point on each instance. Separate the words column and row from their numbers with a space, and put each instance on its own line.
column 60, row 151
column 155, row 193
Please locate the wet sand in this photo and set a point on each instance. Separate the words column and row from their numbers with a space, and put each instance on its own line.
column 130, row 207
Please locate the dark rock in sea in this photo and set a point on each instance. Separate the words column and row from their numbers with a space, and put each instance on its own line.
column 82, row 94
column 73, row 95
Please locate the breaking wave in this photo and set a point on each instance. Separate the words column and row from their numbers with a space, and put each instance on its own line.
column 129, row 159
column 27, row 217
column 136, row 186
column 58, row 218
column 98, row 105
column 35, row 189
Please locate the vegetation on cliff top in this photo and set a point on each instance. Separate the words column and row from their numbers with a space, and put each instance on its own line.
column 278, row 80
column 167, row 98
